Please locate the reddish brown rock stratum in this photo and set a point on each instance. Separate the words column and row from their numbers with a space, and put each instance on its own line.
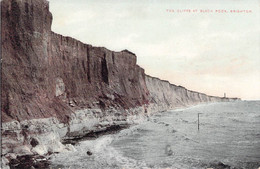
column 45, row 74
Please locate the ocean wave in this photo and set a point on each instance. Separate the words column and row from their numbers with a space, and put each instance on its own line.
column 103, row 155
column 237, row 120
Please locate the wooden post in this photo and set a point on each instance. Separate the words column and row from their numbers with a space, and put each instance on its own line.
column 199, row 121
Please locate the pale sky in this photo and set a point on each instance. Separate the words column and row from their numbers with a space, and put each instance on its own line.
column 211, row 53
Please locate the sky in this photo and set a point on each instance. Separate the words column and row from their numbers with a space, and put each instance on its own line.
column 210, row 52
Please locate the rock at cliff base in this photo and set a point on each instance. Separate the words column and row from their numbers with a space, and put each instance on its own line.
column 89, row 153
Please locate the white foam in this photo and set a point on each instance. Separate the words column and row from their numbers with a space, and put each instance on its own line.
column 103, row 155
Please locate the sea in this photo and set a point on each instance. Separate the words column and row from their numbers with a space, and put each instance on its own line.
column 228, row 137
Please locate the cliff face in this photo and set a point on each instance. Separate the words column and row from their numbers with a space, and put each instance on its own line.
column 164, row 95
column 45, row 74
column 56, row 84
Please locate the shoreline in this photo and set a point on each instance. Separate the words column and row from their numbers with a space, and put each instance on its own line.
column 50, row 136
column 42, row 161
column 98, row 129
column 96, row 134
column 212, row 164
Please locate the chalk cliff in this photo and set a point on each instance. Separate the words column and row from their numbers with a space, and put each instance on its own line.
column 164, row 95
column 55, row 87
